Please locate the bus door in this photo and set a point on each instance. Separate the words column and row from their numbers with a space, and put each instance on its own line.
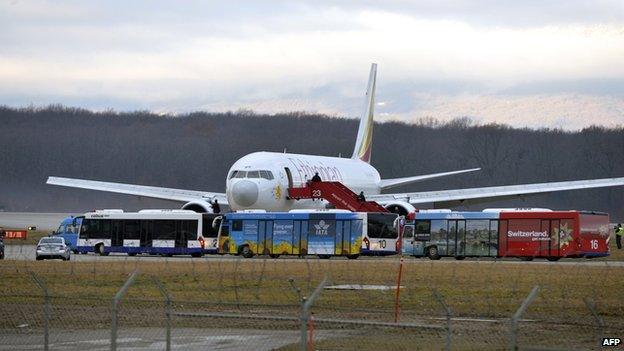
column 300, row 245
column 343, row 237
column 117, row 233
column 182, row 228
column 540, row 247
column 147, row 227
column 408, row 240
column 265, row 237
column 456, row 238
column 554, row 238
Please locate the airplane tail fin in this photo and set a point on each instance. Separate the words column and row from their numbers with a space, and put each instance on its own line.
column 364, row 141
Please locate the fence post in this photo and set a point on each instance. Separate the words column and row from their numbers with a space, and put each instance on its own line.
column 120, row 294
column 168, row 301
column 306, row 304
column 591, row 305
column 449, row 314
column 46, row 311
column 513, row 343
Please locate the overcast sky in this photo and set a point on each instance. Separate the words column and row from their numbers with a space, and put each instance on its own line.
column 525, row 63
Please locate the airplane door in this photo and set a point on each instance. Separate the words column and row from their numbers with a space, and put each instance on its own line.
column 289, row 176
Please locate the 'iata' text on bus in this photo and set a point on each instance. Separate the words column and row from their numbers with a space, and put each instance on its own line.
column 535, row 236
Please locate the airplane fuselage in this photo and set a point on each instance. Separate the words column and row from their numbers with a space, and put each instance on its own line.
column 261, row 180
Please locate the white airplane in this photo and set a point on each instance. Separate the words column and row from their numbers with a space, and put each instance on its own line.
column 261, row 180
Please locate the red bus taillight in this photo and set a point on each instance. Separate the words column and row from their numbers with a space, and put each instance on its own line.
column 367, row 243
column 202, row 243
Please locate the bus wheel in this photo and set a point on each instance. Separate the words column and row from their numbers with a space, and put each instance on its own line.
column 196, row 254
column 99, row 249
column 433, row 253
column 353, row 257
column 246, row 252
column 553, row 259
column 324, row 257
column 274, row 255
column 132, row 253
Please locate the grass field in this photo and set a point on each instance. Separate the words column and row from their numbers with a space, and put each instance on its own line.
column 478, row 290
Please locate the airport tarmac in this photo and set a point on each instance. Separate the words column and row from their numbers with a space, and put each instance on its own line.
column 23, row 220
column 27, row 253
column 153, row 339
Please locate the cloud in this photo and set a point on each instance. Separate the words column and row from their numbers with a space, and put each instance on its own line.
column 277, row 56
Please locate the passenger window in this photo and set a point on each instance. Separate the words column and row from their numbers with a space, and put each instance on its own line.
column 253, row 174
column 423, row 227
column 408, row 231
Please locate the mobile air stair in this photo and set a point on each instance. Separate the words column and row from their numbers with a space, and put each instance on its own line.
column 335, row 193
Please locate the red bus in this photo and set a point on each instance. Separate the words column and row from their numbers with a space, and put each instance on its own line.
column 553, row 235
column 506, row 233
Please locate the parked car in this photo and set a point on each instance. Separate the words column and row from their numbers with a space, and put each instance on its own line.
column 53, row 247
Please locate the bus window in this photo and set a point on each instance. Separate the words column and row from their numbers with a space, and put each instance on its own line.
column 423, row 227
column 477, row 237
column 438, row 235
column 408, row 231
column 132, row 229
column 237, row 225
column 164, row 230
column 422, row 230
column 382, row 226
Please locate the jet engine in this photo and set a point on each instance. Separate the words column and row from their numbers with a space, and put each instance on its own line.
column 200, row 206
column 400, row 207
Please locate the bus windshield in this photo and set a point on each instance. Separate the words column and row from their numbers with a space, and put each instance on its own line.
column 381, row 225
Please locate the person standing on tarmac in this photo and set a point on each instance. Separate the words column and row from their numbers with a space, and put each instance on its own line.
column 215, row 207
column 619, row 231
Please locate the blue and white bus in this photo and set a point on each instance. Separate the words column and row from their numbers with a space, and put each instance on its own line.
column 68, row 230
column 164, row 232
column 301, row 232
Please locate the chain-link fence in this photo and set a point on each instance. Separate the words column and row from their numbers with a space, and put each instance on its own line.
column 231, row 303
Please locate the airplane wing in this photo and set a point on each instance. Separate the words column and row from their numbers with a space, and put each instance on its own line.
column 394, row 182
column 139, row 190
column 475, row 195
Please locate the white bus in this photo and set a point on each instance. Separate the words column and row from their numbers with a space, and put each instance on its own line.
column 164, row 232
column 381, row 236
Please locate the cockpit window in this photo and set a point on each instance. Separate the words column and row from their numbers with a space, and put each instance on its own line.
column 252, row 174
column 266, row 175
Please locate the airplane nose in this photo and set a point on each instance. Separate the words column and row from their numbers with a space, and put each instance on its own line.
column 245, row 193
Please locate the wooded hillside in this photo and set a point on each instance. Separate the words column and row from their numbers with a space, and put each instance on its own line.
column 194, row 151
